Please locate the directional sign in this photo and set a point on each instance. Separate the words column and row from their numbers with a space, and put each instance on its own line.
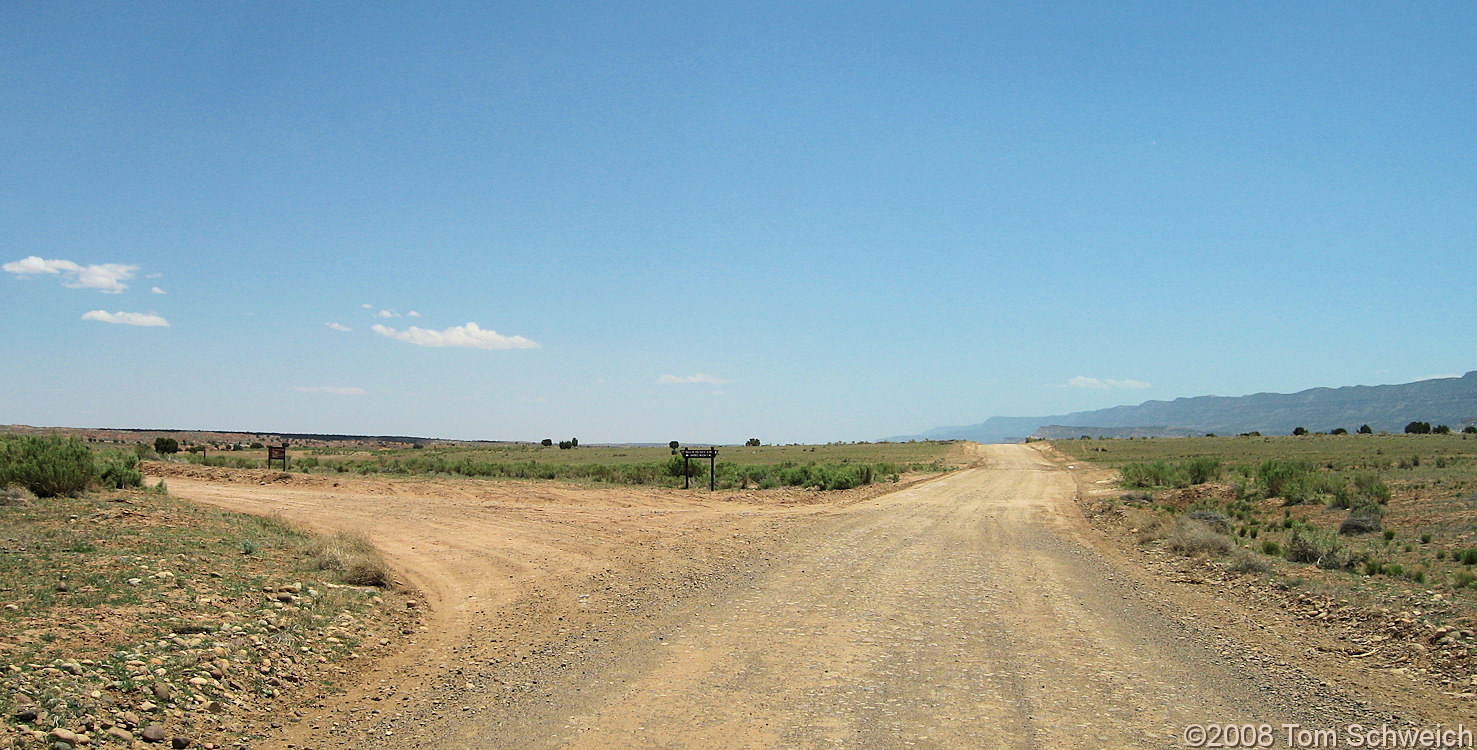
column 709, row 453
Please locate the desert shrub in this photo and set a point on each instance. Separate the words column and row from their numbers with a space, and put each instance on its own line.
column 1354, row 525
column 1466, row 557
column 1368, row 486
column 15, row 495
column 1193, row 537
column 1426, row 538
column 1312, row 487
column 354, row 558
column 1276, row 474
column 1153, row 474
column 1390, row 535
column 1148, row 525
column 1418, row 428
column 1214, row 519
column 1309, row 545
column 1464, row 579
column 1203, row 469
column 166, row 445
column 1271, row 547
column 1245, row 561
column 47, row 466
column 121, row 472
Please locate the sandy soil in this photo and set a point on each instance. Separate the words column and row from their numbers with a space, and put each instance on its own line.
column 976, row 610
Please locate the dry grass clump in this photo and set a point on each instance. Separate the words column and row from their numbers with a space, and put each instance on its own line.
column 1148, row 525
column 15, row 495
column 355, row 559
column 1191, row 537
column 1246, row 561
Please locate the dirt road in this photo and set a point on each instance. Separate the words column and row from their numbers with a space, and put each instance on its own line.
column 972, row 611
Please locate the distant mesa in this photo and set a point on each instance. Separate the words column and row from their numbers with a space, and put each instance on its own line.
column 1449, row 401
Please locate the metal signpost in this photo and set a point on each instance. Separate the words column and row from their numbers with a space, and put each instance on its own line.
column 277, row 453
column 709, row 453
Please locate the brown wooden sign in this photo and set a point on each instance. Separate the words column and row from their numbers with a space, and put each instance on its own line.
column 709, row 453
column 277, row 453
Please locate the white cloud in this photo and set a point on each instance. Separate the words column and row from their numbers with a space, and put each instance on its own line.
column 353, row 391
column 105, row 277
column 156, row 290
column 338, row 326
column 412, row 314
column 367, row 306
column 387, row 314
column 35, row 265
column 469, row 336
column 127, row 318
column 1105, row 383
column 698, row 378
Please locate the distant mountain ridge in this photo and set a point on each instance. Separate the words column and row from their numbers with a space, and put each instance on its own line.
column 1449, row 401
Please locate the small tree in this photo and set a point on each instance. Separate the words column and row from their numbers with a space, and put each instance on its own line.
column 546, row 442
column 752, row 442
column 1338, row 431
column 166, row 445
column 574, row 442
column 1441, row 429
column 1300, row 431
column 1470, row 429
column 564, row 445
column 1418, row 428
column 1364, row 430
column 673, row 445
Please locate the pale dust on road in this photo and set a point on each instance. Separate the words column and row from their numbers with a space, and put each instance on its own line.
column 971, row 611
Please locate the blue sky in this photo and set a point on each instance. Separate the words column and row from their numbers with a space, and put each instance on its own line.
column 708, row 222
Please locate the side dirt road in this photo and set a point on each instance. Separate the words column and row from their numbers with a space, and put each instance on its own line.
column 975, row 610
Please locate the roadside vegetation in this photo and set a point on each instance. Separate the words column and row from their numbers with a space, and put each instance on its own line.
column 122, row 608
column 1393, row 508
column 826, row 467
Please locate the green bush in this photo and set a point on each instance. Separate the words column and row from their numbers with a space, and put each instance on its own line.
column 1313, row 487
column 1271, row 547
column 1155, row 474
column 1466, row 557
column 47, row 466
column 121, row 472
column 1275, row 474
column 1368, row 486
column 1203, row 469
